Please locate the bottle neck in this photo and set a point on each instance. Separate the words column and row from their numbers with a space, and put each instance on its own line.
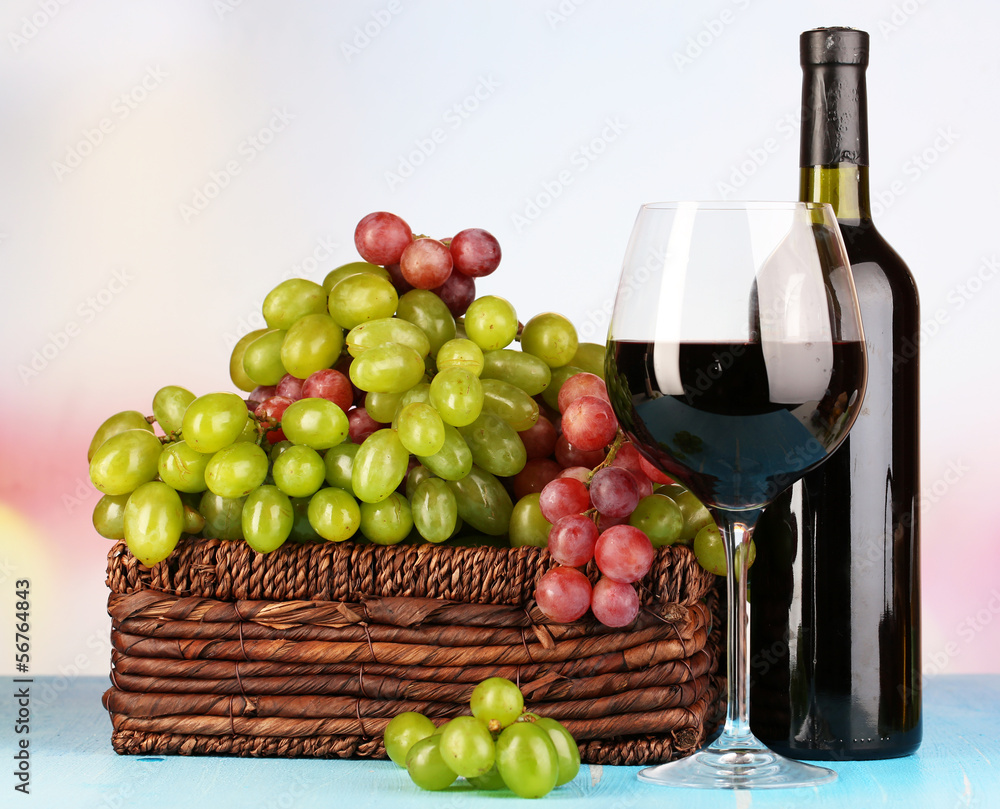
column 834, row 153
column 844, row 186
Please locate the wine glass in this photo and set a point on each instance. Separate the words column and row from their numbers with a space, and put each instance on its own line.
column 736, row 363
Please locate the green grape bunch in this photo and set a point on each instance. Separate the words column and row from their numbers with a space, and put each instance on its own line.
column 386, row 404
column 500, row 746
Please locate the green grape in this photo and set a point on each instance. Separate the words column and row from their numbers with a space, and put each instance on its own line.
column 403, row 731
column 711, row 553
column 267, row 518
column 314, row 422
column 567, row 750
column 510, row 403
column 387, row 330
column 182, row 468
column 387, row 522
column 491, row 781
column 125, row 461
column 118, row 423
column 339, row 461
column 153, row 521
column 527, row 524
column 382, row 406
column 290, row 300
column 434, row 509
column 496, row 702
column 109, row 516
column 559, row 375
column 353, row 268
column 421, row 392
column 362, row 297
column 696, row 516
column 391, row 368
column 426, row 767
column 262, row 358
column 302, row 530
column 526, row 371
column 495, row 445
column 334, row 514
column 223, row 516
column 416, row 476
column 299, row 471
column 379, row 466
column 311, row 344
column 250, row 433
column 420, row 428
column 214, row 421
column 169, row 405
column 590, row 358
column 423, row 308
column 457, row 395
column 550, row 337
column 236, row 470
column 237, row 372
column 193, row 521
column 461, row 353
column 527, row 760
column 491, row 322
column 466, row 746
column 453, row 461
column 483, row 502
column 660, row 518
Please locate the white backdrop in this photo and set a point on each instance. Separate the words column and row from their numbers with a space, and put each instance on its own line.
column 164, row 164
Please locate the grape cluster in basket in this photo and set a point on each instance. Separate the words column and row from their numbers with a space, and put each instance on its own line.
column 498, row 747
column 389, row 403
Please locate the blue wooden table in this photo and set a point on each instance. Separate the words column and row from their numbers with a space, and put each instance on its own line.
column 72, row 766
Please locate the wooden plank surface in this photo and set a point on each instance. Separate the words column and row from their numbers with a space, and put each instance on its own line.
column 72, row 765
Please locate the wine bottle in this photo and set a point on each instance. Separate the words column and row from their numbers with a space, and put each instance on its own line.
column 835, row 605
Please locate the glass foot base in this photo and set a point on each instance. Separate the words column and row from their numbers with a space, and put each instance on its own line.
column 729, row 766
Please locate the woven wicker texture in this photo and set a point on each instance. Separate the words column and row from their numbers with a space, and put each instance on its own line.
column 310, row 650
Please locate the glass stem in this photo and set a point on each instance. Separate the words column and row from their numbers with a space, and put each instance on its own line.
column 737, row 529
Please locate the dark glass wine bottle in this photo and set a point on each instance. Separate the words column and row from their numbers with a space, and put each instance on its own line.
column 835, row 604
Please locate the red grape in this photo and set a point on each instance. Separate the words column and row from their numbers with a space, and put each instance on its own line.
column 329, row 384
column 273, row 408
column 536, row 473
column 457, row 293
column 581, row 384
column 259, row 394
column 360, row 425
column 401, row 285
column 563, row 594
column 290, row 387
column 563, row 496
column 614, row 603
column 654, row 474
column 425, row 263
column 624, row 553
column 581, row 473
column 589, row 423
column 604, row 522
column 476, row 252
column 381, row 237
column 614, row 491
column 540, row 438
column 628, row 457
column 568, row 455
column 644, row 484
column 572, row 539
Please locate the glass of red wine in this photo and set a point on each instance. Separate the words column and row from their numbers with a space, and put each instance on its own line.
column 735, row 364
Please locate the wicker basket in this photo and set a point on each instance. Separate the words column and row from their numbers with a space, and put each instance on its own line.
column 310, row 650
